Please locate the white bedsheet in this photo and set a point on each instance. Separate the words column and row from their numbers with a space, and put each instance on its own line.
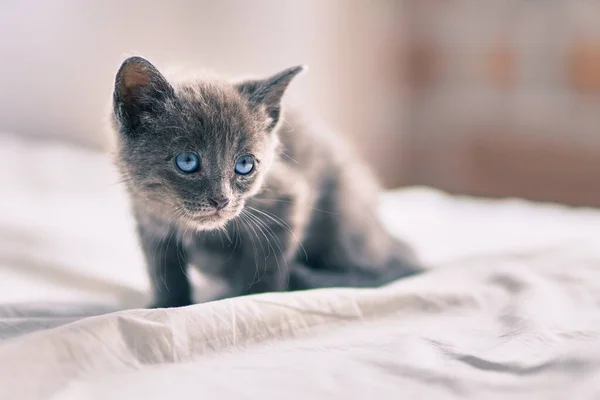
column 510, row 307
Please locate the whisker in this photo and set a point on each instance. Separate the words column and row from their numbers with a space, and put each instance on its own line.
column 227, row 235
column 269, row 247
column 237, row 233
column 166, row 249
column 125, row 180
column 256, row 271
column 284, row 225
column 259, row 242
column 221, row 237
column 260, row 277
column 181, row 254
column 277, row 243
column 288, row 156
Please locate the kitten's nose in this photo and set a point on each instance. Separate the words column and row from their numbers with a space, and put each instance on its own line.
column 218, row 202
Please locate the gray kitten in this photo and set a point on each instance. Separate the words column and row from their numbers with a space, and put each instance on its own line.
column 220, row 180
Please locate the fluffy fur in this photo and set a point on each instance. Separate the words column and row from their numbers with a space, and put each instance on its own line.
column 305, row 217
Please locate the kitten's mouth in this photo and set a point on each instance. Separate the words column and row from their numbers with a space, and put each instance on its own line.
column 214, row 219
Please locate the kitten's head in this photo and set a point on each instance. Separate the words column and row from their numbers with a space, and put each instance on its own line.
column 195, row 151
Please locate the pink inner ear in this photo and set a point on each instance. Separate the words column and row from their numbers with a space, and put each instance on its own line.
column 134, row 77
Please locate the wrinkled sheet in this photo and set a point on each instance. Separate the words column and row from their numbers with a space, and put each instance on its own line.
column 509, row 308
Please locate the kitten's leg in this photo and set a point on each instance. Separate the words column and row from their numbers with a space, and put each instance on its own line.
column 165, row 261
column 348, row 245
column 305, row 277
column 355, row 265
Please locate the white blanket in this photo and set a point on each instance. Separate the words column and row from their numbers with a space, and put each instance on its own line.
column 510, row 307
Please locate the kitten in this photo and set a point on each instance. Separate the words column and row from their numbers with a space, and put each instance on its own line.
column 220, row 180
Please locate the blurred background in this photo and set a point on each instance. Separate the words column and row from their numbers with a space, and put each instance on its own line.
column 491, row 98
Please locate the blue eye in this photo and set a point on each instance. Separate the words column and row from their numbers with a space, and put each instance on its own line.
column 244, row 165
column 187, row 162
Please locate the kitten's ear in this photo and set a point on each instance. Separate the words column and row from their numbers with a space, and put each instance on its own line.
column 269, row 92
column 139, row 88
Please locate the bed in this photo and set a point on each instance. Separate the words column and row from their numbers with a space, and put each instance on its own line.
column 509, row 305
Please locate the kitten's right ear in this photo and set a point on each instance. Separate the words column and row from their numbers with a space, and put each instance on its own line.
column 139, row 88
column 269, row 92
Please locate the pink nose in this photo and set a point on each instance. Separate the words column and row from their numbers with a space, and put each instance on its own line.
column 218, row 202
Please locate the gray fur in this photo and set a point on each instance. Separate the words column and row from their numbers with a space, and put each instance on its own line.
column 305, row 218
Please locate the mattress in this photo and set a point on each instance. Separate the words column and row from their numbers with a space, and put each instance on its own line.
column 509, row 305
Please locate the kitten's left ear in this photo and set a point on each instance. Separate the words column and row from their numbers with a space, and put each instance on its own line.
column 139, row 88
column 269, row 92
